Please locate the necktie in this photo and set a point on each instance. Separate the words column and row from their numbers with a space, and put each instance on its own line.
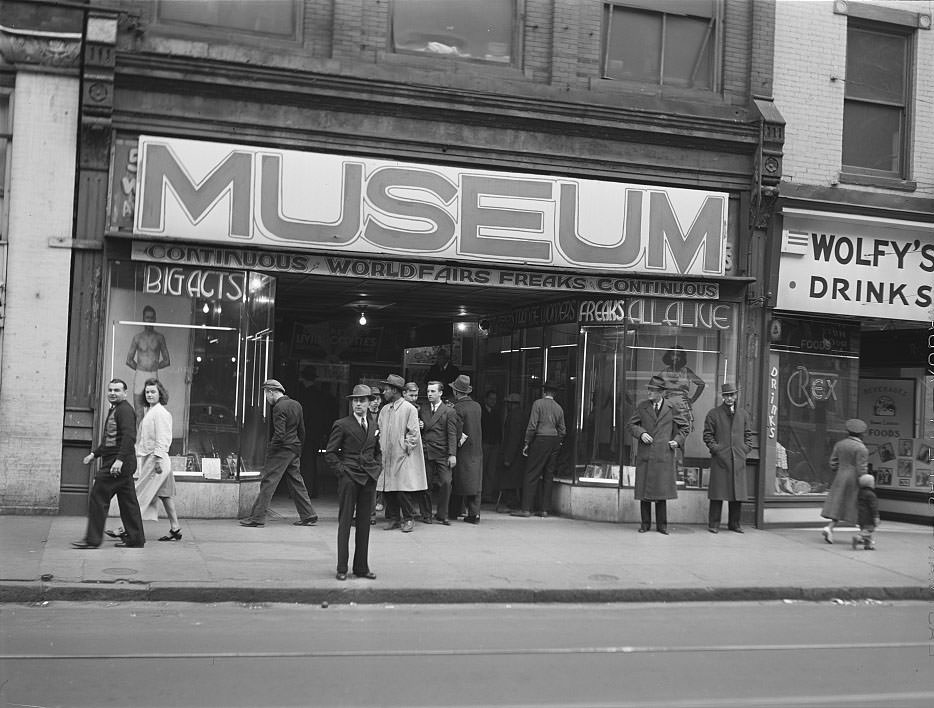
column 434, row 409
column 731, row 410
column 362, row 423
column 658, row 407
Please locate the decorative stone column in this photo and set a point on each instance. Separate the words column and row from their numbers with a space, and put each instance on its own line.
column 41, row 195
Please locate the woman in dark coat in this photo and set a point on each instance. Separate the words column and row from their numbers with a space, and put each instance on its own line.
column 849, row 460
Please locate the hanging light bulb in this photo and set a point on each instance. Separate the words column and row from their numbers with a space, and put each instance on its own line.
column 362, row 319
column 206, row 309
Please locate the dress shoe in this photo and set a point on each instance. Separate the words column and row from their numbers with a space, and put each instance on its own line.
column 425, row 519
column 408, row 526
column 310, row 521
column 662, row 530
column 83, row 545
column 392, row 526
column 251, row 524
column 341, row 576
column 521, row 513
column 472, row 520
column 365, row 576
column 124, row 544
column 119, row 533
column 737, row 529
column 173, row 535
column 443, row 522
column 827, row 533
column 713, row 529
column 643, row 528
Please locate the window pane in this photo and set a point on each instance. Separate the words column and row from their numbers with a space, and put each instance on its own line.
column 688, row 46
column 872, row 136
column 634, row 46
column 875, row 65
column 260, row 16
column 479, row 29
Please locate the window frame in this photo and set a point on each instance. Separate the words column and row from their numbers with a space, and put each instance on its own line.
column 195, row 30
column 714, row 38
column 858, row 174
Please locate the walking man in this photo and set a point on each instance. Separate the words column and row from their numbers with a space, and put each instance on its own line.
column 283, row 452
column 543, row 436
column 117, row 453
column 403, row 464
column 439, row 437
column 660, row 428
column 727, row 435
column 468, row 477
column 352, row 453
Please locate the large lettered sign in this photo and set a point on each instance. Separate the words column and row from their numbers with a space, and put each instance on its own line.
column 268, row 198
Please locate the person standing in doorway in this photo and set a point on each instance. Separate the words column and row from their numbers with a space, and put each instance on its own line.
column 283, row 452
column 444, row 371
column 352, row 453
column 660, row 428
column 439, row 438
column 468, row 476
column 148, row 353
column 117, row 454
column 543, row 437
column 492, row 422
column 729, row 439
column 403, row 475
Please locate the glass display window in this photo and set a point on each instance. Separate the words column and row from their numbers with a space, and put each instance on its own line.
column 691, row 345
column 206, row 336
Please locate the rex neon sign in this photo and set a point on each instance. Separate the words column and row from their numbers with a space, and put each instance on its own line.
column 311, row 201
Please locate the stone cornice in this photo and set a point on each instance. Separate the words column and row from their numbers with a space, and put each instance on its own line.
column 727, row 128
column 47, row 50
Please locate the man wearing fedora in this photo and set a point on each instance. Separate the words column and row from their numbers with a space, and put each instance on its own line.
column 283, row 452
column 543, row 436
column 729, row 439
column 352, row 454
column 468, row 475
column 403, row 475
column 660, row 428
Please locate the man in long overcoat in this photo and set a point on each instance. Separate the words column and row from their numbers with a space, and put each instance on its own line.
column 660, row 428
column 439, row 437
column 468, row 475
column 729, row 439
column 403, row 476
column 352, row 454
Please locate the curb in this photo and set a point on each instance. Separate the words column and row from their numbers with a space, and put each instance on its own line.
column 119, row 591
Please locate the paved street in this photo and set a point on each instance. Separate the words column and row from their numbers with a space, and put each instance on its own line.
column 651, row 655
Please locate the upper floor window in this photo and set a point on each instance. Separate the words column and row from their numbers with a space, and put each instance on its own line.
column 275, row 17
column 661, row 42
column 476, row 29
column 876, row 99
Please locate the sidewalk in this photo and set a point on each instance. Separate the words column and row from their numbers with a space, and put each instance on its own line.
column 504, row 559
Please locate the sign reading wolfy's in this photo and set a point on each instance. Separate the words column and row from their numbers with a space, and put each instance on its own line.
column 869, row 268
column 216, row 192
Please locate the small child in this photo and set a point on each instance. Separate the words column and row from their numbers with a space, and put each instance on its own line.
column 868, row 513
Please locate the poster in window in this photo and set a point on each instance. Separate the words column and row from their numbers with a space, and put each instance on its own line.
column 888, row 407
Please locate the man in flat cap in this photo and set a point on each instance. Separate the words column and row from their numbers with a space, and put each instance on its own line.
column 352, row 453
column 728, row 437
column 283, row 452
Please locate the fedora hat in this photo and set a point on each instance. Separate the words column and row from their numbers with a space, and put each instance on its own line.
column 657, row 382
column 856, row 426
column 273, row 385
column 727, row 388
column 395, row 381
column 462, row 384
column 360, row 391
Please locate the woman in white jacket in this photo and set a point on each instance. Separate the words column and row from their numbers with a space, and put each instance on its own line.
column 155, row 479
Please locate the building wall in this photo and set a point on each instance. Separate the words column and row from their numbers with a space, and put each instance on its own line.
column 809, row 83
column 38, row 278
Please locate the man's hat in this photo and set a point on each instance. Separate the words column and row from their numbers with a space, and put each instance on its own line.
column 462, row 384
column 657, row 382
column 727, row 388
column 856, row 426
column 361, row 391
column 513, row 398
column 395, row 381
column 273, row 385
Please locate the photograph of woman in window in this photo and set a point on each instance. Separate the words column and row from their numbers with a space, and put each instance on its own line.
column 679, row 378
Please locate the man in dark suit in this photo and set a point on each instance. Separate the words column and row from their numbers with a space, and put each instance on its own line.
column 352, row 454
column 439, row 440
column 727, row 435
column 115, row 476
column 660, row 428
column 283, row 452
column 444, row 371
